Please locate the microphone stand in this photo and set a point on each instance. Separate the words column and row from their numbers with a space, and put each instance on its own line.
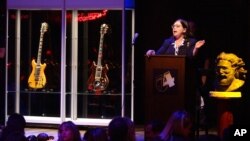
column 132, row 75
column 132, row 80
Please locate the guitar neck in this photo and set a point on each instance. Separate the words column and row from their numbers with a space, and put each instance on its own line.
column 100, row 54
column 40, row 49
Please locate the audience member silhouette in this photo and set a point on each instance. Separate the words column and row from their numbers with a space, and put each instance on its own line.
column 178, row 127
column 15, row 123
column 16, row 136
column 119, row 129
column 131, row 129
column 44, row 137
column 96, row 134
column 31, row 138
column 68, row 131
column 153, row 129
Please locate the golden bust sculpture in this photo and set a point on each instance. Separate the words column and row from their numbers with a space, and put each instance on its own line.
column 230, row 72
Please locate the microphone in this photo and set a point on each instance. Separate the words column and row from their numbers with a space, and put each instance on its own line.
column 134, row 39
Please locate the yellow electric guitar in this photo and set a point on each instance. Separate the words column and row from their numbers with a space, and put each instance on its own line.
column 37, row 78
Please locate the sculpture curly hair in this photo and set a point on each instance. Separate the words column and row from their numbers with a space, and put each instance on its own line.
column 236, row 62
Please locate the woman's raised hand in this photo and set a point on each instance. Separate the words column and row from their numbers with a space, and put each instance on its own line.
column 150, row 53
column 199, row 43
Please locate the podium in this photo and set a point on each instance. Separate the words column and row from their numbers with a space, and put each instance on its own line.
column 169, row 86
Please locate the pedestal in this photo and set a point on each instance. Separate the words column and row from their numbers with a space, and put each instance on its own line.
column 225, row 102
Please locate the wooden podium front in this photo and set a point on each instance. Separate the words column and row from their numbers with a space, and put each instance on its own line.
column 169, row 86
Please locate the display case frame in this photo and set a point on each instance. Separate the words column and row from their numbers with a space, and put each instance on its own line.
column 64, row 7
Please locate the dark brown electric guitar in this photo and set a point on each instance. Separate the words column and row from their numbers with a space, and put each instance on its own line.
column 98, row 80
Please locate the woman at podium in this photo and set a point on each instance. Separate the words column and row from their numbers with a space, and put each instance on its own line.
column 180, row 43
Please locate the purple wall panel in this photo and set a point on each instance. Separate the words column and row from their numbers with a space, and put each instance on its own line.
column 35, row 4
column 95, row 4
column 70, row 4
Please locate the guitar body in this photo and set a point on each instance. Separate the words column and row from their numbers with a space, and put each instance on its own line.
column 37, row 78
column 98, row 80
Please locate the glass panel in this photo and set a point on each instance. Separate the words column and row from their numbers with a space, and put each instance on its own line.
column 40, row 47
column 11, row 49
column 92, row 38
column 36, row 103
column 43, row 48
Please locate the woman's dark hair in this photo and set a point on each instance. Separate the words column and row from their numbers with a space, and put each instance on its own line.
column 71, row 126
column 32, row 138
column 118, row 129
column 44, row 137
column 15, row 123
column 16, row 136
column 184, row 24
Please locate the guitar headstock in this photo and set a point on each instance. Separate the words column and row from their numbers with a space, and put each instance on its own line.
column 104, row 28
column 44, row 27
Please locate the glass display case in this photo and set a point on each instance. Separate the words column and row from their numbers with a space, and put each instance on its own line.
column 69, row 60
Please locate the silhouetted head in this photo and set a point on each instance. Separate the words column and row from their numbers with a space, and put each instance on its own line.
column 118, row 129
column 179, row 124
column 68, row 131
column 16, row 121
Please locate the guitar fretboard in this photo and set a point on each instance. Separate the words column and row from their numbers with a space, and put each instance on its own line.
column 99, row 61
column 39, row 54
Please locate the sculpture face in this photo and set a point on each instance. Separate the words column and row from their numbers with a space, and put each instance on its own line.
column 225, row 73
